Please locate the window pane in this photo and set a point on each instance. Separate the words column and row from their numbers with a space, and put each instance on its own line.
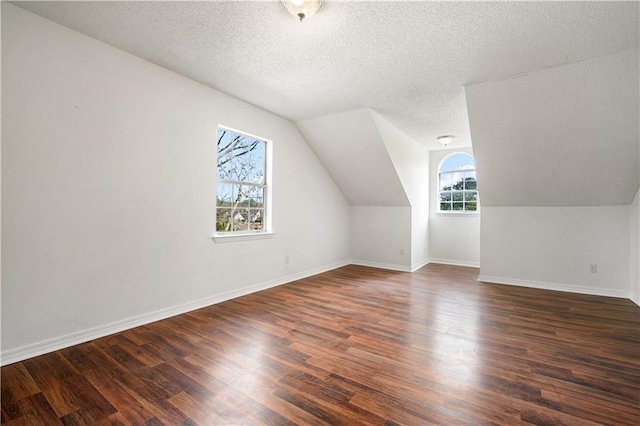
column 225, row 195
column 256, row 217
column 248, row 196
column 256, row 202
column 225, row 166
column 240, row 157
column 457, row 161
column 445, row 196
column 459, row 182
column 227, row 141
column 223, row 219
column 445, row 206
column 458, row 196
column 446, row 181
column 256, row 172
column 470, row 196
column 247, row 167
column 256, row 194
column 470, row 181
column 471, row 206
column 243, row 195
column 240, row 220
column 458, row 206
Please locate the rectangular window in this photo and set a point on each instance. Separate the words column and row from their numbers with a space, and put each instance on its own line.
column 241, row 199
column 458, row 191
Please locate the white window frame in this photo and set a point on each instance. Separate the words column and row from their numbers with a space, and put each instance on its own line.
column 267, row 231
column 457, row 191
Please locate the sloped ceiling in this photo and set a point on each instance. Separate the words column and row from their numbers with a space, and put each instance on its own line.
column 542, row 134
column 563, row 136
column 407, row 60
column 351, row 148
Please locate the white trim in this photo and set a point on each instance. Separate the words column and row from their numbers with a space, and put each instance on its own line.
column 39, row 348
column 267, row 187
column 456, row 262
column 439, row 191
column 390, row 266
column 419, row 265
column 458, row 212
column 227, row 238
column 555, row 286
column 249, row 135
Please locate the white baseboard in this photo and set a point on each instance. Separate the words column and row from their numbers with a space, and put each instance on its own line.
column 414, row 267
column 455, row 262
column 419, row 265
column 555, row 286
column 39, row 348
column 390, row 266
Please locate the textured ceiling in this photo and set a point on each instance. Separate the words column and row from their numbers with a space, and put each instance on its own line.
column 407, row 60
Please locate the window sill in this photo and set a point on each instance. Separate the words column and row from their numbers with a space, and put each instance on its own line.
column 453, row 213
column 228, row 238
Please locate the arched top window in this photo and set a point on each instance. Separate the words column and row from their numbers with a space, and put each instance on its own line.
column 457, row 185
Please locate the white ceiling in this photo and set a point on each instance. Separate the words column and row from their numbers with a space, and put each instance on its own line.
column 562, row 136
column 407, row 60
column 353, row 151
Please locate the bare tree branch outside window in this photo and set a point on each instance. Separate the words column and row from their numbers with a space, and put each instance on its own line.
column 240, row 200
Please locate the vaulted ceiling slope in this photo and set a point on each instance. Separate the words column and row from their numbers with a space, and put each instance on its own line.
column 548, row 89
column 562, row 136
column 407, row 60
column 351, row 148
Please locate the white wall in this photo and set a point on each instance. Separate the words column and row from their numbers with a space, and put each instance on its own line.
column 384, row 175
column 381, row 237
column 0, row 207
column 453, row 238
column 634, row 236
column 555, row 199
column 411, row 162
column 351, row 147
column 553, row 247
column 108, row 192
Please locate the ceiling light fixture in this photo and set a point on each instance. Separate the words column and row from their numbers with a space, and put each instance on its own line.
column 445, row 140
column 302, row 8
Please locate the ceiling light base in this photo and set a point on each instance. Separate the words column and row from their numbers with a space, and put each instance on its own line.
column 302, row 8
column 446, row 139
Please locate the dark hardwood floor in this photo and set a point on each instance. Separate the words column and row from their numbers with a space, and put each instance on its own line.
column 352, row 346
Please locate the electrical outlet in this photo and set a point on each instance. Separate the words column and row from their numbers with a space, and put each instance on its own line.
column 593, row 268
column 286, row 258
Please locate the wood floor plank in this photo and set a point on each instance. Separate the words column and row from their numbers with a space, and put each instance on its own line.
column 50, row 372
column 197, row 411
column 35, row 410
column 17, row 383
column 130, row 408
column 356, row 345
